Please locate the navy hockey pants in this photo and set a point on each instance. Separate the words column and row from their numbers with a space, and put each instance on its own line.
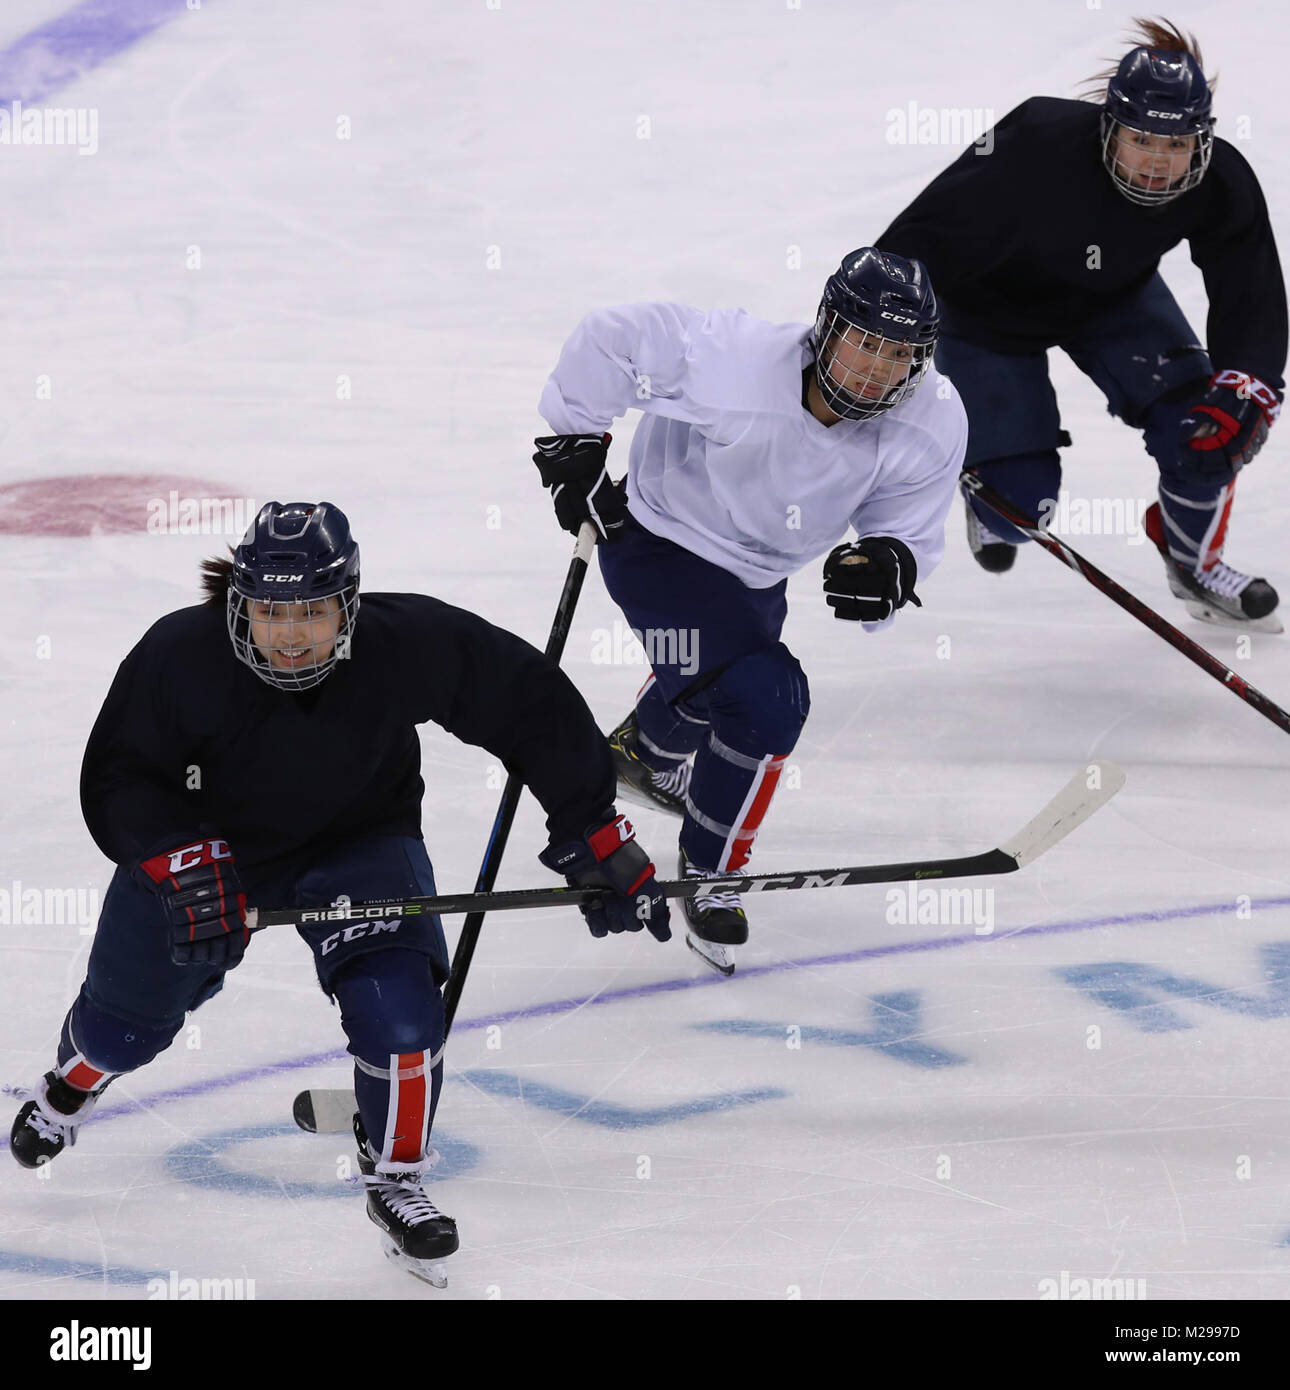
column 724, row 688
column 1145, row 359
column 385, row 976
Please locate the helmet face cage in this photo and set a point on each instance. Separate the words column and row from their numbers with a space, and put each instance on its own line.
column 879, row 372
column 1202, row 150
column 299, row 649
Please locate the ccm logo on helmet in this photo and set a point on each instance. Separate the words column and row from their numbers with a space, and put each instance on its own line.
column 895, row 318
column 283, row 578
column 1166, row 115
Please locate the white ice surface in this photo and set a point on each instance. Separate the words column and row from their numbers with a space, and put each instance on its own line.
column 513, row 132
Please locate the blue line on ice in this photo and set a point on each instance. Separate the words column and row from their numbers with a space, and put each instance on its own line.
column 70, row 45
column 707, row 981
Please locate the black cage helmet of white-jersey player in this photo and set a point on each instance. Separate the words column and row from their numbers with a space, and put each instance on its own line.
column 291, row 593
column 1157, row 123
column 874, row 334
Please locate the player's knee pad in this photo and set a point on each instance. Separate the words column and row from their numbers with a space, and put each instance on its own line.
column 107, row 1042
column 1031, row 482
column 390, row 1004
column 759, row 703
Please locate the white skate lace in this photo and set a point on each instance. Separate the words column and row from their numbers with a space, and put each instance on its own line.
column 404, row 1196
column 674, row 783
column 48, row 1129
column 44, row 1119
column 1223, row 580
column 707, row 901
column 45, row 1127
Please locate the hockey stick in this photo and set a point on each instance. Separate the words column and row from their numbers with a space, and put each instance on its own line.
column 470, row 928
column 1085, row 793
column 464, row 953
column 330, row 1111
column 1193, row 651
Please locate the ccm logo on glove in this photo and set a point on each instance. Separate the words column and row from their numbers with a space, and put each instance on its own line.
column 189, row 857
column 1230, row 423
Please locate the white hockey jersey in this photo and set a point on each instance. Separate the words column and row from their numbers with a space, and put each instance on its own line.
column 729, row 464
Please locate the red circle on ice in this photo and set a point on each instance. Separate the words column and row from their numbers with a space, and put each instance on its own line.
column 83, row 503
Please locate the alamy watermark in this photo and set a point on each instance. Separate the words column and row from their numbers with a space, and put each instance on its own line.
column 1079, row 1289
column 23, row 906
column 913, row 124
column 50, row 125
column 919, row 904
column 652, row 646
column 177, row 1288
column 72, row 1342
column 1094, row 516
column 200, row 516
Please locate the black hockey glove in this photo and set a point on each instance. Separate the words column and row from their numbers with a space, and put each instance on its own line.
column 866, row 581
column 199, row 888
column 573, row 467
column 609, row 857
column 1229, row 425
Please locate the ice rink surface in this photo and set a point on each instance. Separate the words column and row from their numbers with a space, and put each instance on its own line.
column 331, row 250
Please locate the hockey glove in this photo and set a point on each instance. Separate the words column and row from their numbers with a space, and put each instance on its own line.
column 573, row 467
column 609, row 857
column 866, row 581
column 199, row 889
column 1230, row 423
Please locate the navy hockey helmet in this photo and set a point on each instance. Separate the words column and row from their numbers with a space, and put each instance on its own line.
column 1154, row 93
column 293, row 597
column 874, row 334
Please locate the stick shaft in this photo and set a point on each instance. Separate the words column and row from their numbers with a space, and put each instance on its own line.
column 1081, row 797
column 470, row 928
column 1193, row 651
column 991, row 861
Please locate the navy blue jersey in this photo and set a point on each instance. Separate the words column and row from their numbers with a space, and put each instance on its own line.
column 1029, row 243
column 191, row 743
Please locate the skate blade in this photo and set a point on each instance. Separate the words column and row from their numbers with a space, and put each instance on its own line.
column 628, row 791
column 1204, row 613
column 718, row 957
column 430, row 1272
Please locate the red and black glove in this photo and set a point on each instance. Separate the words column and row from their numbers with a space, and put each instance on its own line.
column 1230, row 423
column 866, row 581
column 609, row 857
column 573, row 467
column 199, row 888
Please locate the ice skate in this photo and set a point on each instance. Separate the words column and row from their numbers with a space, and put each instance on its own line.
column 988, row 550
column 48, row 1122
column 417, row 1235
column 716, row 921
column 638, row 782
column 1220, row 595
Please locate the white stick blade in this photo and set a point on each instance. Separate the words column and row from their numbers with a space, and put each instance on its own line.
column 1086, row 792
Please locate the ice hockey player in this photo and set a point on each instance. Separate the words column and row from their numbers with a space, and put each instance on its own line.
column 759, row 442
column 1049, row 233
column 283, row 766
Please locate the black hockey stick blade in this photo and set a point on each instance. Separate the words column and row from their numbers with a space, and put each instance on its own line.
column 325, row 1110
column 302, row 1112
